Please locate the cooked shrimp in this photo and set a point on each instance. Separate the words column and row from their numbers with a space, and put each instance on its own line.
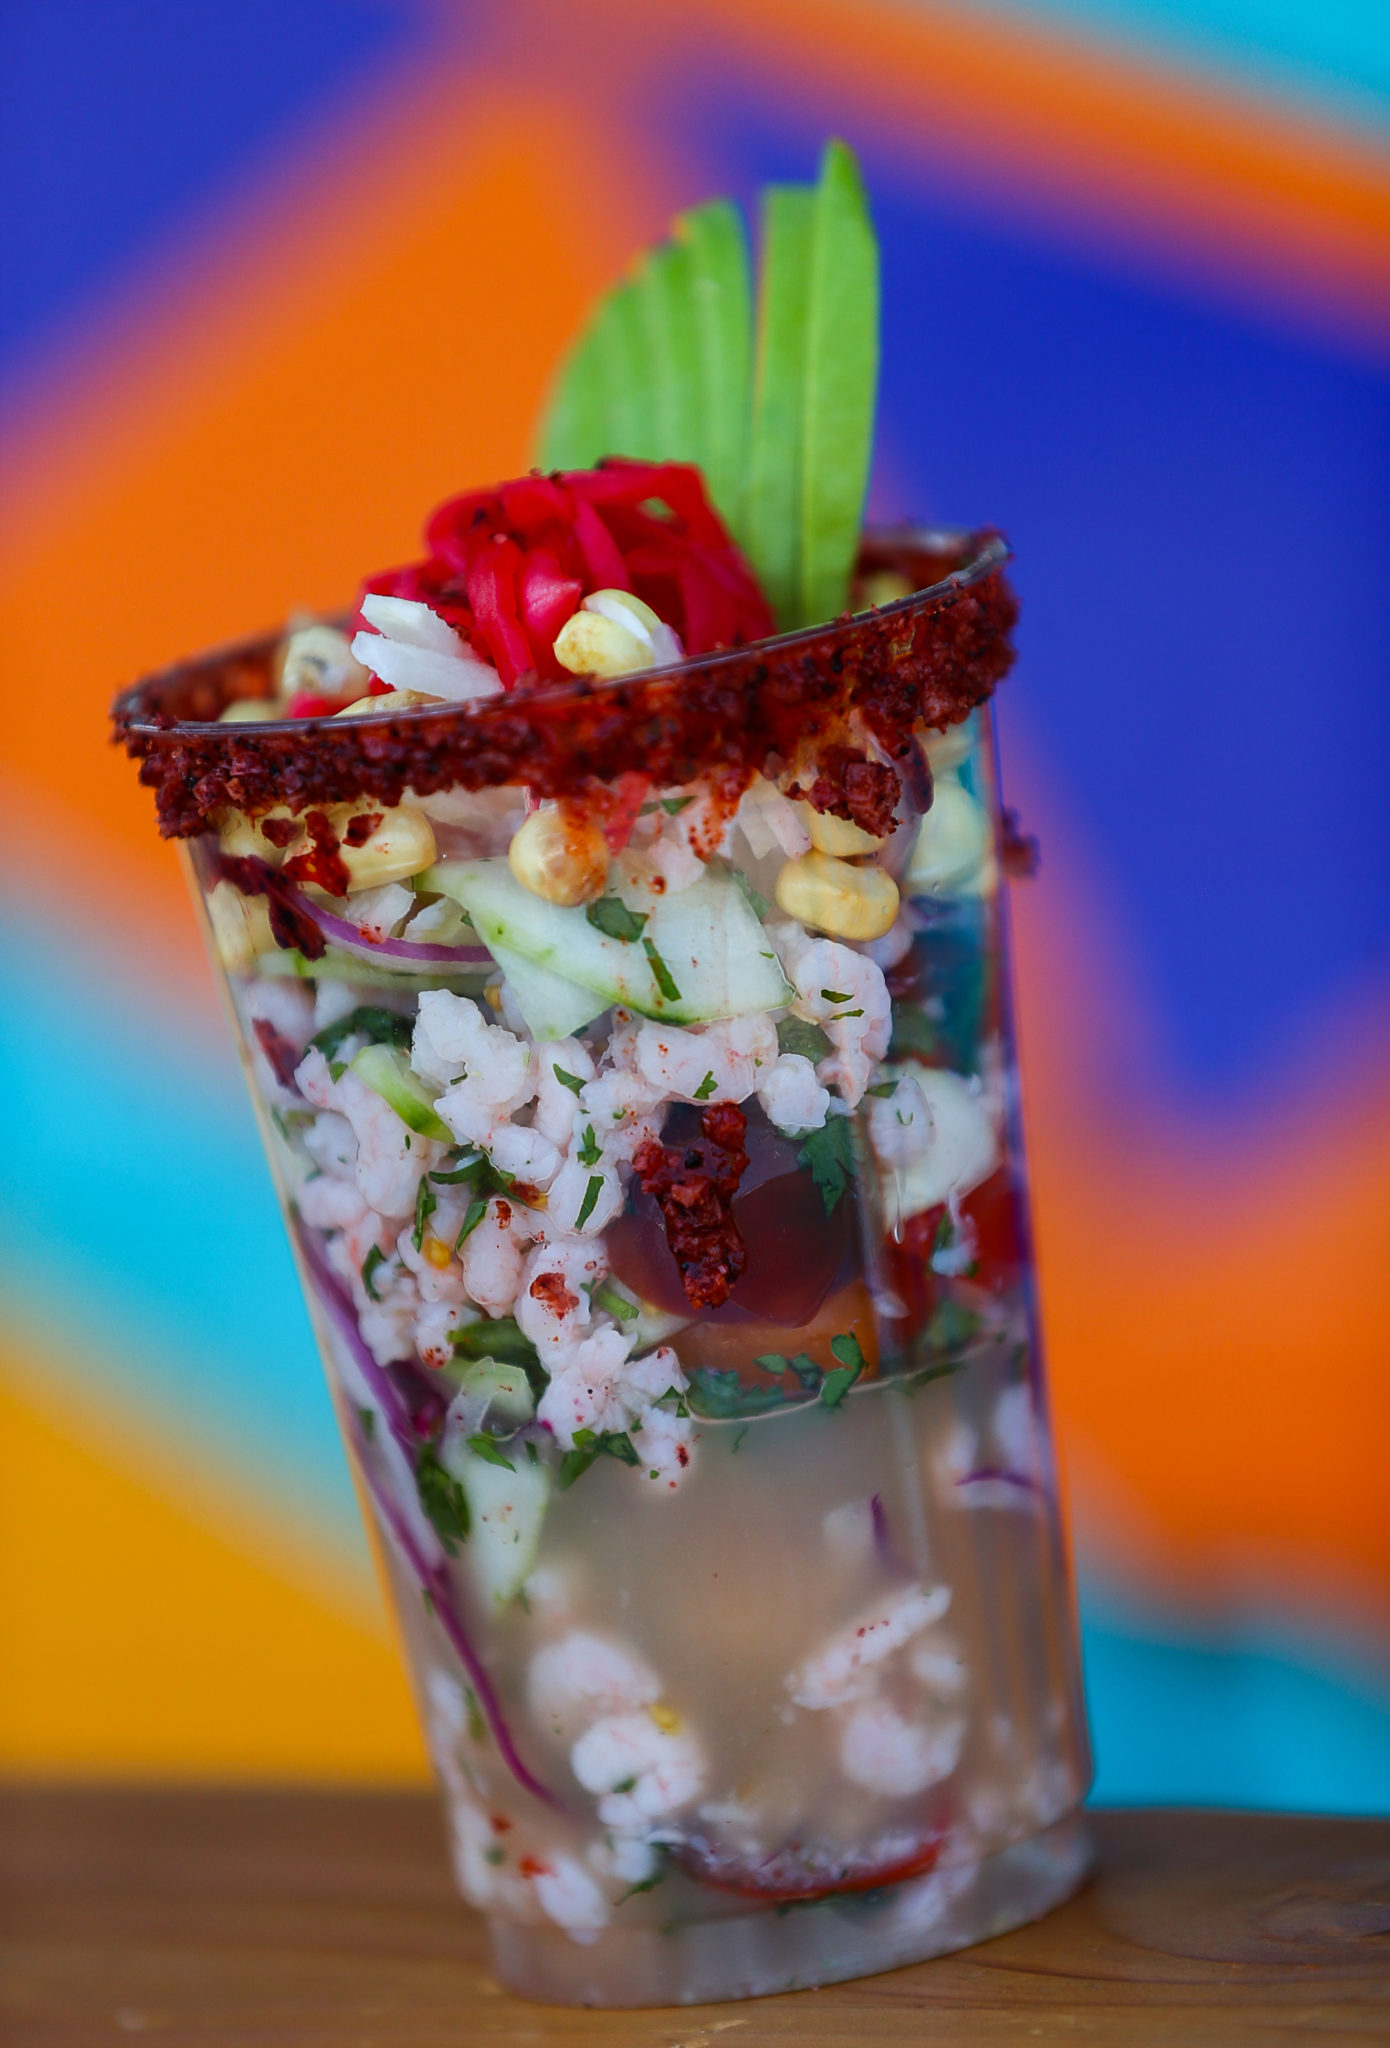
column 894, row 1758
column 659, row 1767
column 841, row 1669
column 846, row 994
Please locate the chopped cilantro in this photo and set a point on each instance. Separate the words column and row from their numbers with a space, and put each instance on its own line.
column 484, row 1446
column 494, row 1854
column 611, row 916
column 623, row 1785
column 570, row 1081
column 674, row 805
column 375, row 1257
column 829, row 1154
column 834, row 995
column 771, row 1361
column 882, row 1089
column 913, row 1380
column 952, row 1327
column 424, row 1209
column 722, row 1395
column 915, row 1036
column 846, row 1013
column 468, row 1168
column 444, row 1501
column 798, row 1034
column 590, row 1152
column 706, row 1088
column 838, row 1382
column 381, row 1027
column 607, row 1296
column 496, row 1337
column 643, row 1884
column 755, row 900
column 591, row 1195
column 589, row 1445
column 661, row 973
column 336, row 1070
column 533, row 1456
column 472, row 1217
column 367, row 1418
column 739, row 1438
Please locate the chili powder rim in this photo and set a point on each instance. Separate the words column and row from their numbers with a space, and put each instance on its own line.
column 929, row 657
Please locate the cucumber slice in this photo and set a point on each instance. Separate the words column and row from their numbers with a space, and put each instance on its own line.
column 508, row 1511
column 335, row 964
column 387, row 1070
column 702, row 954
column 552, row 1007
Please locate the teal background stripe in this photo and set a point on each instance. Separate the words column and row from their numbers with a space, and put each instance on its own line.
column 1332, row 55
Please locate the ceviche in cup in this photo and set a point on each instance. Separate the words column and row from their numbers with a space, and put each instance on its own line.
column 611, row 915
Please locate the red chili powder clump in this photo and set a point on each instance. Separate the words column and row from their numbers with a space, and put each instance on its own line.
column 694, row 1187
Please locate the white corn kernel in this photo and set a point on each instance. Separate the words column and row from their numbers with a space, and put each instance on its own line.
column 388, row 700
column 401, row 845
column 848, row 902
column 240, row 927
column 559, row 857
column 948, row 748
column 626, row 609
column 320, row 658
column 841, row 836
column 953, row 841
column 590, row 644
column 239, row 835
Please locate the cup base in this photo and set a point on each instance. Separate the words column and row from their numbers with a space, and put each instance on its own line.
column 754, row 1955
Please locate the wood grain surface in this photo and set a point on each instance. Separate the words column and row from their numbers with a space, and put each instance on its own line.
column 232, row 1919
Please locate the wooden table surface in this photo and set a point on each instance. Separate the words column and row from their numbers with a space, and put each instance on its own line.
column 328, row 1920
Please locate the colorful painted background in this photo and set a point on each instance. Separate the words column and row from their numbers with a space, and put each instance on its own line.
column 278, row 275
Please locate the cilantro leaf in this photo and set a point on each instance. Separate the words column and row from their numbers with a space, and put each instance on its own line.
column 443, row 1500
column 590, row 1151
column 833, row 995
column 591, row 1195
column 495, row 1337
column 472, row 1217
column 382, row 1027
column 484, row 1446
column 829, row 1154
column 661, row 973
column 589, row 1445
column 425, row 1204
column 841, row 1378
column 375, row 1257
column 611, row 916
column 798, row 1034
column 706, row 1088
column 570, row 1081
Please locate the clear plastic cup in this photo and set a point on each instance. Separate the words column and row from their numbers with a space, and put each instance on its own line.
column 671, row 1269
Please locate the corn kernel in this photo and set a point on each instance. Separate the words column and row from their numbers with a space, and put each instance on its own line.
column 591, row 645
column 666, row 1718
column 560, row 857
column 884, row 586
column 249, row 711
column 848, row 902
column 841, row 836
column 401, row 846
column 387, row 700
column 240, row 927
column 436, row 1252
column 953, row 843
column 320, row 658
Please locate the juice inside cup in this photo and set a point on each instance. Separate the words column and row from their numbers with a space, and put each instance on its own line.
column 622, row 986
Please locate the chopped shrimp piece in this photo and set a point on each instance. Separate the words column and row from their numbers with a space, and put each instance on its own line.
column 327, row 1204
column 492, row 1255
column 846, row 994
column 454, row 1044
column 711, row 1063
column 894, row 1758
column 595, row 1385
column 522, row 1154
column 552, row 1301
column 665, row 1444
column 660, row 1769
column 574, row 1680
column 572, row 1192
column 791, row 1096
column 841, row 1669
column 434, row 1326
column 556, row 1100
column 330, row 1143
column 568, row 1895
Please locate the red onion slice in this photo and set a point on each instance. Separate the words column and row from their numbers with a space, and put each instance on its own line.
column 409, row 952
